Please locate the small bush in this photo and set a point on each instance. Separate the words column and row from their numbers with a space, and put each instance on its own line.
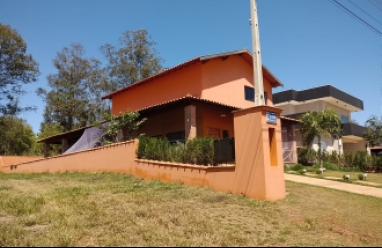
column 301, row 172
column 318, row 171
column 307, row 156
column 346, row 177
column 361, row 177
column 297, row 167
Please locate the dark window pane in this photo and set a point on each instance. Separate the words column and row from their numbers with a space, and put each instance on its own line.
column 176, row 137
column 249, row 93
column 225, row 134
column 265, row 98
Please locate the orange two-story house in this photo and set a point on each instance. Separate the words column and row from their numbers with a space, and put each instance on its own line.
column 195, row 98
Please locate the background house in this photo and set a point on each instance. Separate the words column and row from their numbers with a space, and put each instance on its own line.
column 294, row 103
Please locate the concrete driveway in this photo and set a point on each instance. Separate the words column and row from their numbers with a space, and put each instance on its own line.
column 358, row 189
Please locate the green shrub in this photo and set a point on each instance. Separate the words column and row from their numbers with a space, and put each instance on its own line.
column 325, row 156
column 361, row 177
column 334, row 157
column 361, row 160
column 377, row 162
column 348, row 157
column 297, row 167
column 318, row 172
column 307, row 156
column 177, row 153
column 346, row 177
column 198, row 151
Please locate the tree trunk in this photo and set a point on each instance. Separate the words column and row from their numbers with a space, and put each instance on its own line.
column 319, row 151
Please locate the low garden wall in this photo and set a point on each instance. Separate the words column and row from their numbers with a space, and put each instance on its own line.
column 122, row 158
column 10, row 160
column 220, row 178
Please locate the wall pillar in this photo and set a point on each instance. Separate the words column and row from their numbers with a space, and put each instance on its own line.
column 259, row 170
column 64, row 145
column 190, row 122
column 291, row 139
column 46, row 149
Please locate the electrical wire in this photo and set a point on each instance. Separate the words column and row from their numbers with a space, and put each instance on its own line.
column 378, row 2
column 365, row 12
column 357, row 17
column 376, row 5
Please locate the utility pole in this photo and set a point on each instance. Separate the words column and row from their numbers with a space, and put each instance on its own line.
column 256, row 54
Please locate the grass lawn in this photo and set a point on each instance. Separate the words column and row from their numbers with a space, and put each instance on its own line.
column 74, row 209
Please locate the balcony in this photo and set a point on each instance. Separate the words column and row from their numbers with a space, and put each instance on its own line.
column 352, row 129
column 328, row 93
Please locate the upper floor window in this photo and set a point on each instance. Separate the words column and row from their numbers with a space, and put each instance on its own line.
column 249, row 94
column 344, row 119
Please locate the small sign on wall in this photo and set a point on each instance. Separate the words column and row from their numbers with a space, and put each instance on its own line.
column 271, row 117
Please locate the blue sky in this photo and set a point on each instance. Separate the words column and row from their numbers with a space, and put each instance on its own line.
column 305, row 43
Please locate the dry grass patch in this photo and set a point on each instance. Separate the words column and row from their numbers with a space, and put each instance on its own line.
column 72, row 209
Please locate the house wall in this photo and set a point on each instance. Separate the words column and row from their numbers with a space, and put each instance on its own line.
column 353, row 147
column 339, row 110
column 169, row 87
column 211, row 118
column 288, row 109
column 217, row 80
column 327, row 144
column 312, row 106
column 224, row 81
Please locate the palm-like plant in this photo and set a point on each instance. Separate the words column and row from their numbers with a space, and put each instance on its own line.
column 373, row 133
column 320, row 124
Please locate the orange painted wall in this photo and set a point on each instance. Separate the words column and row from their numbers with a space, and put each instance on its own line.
column 114, row 158
column 218, row 80
column 10, row 160
column 122, row 158
column 212, row 119
column 224, row 81
column 174, row 85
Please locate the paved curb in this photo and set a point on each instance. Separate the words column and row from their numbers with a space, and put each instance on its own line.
column 358, row 189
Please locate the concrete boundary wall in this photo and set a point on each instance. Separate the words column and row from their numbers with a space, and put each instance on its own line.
column 121, row 158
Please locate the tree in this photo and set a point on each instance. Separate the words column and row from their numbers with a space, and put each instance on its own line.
column 137, row 59
column 126, row 123
column 17, row 137
column 317, row 124
column 16, row 69
column 373, row 133
column 76, row 90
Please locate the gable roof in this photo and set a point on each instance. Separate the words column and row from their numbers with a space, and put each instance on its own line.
column 243, row 52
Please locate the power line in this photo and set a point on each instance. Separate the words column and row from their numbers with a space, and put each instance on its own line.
column 357, row 17
column 375, row 4
column 378, row 2
column 365, row 12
